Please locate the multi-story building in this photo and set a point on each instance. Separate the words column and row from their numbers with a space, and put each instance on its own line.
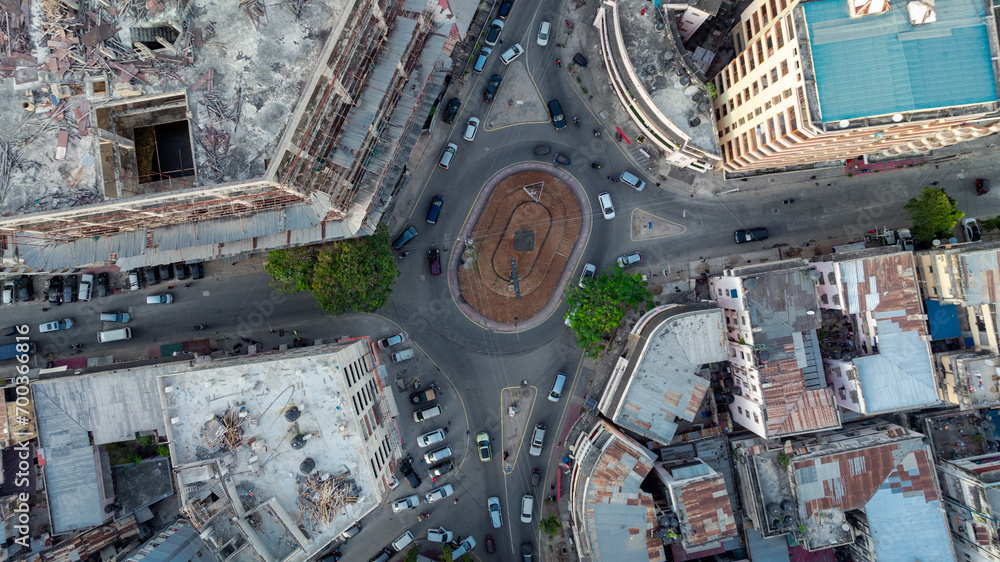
column 970, row 487
column 869, row 487
column 825, row 80
column 662, row 379
column 170, row 131
column 881, row 361
column 699, row 499
column 961, row 285
column 772, row 315
column 179, row 542
column 613, row 518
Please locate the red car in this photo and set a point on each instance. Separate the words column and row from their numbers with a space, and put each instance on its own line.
column 434, row 257
column 491, row 547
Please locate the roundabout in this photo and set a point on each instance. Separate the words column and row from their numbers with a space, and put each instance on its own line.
column 519, row 247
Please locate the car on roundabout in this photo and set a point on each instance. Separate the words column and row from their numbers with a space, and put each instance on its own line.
column 629, row 260
column 483, row 444
column 491, row 88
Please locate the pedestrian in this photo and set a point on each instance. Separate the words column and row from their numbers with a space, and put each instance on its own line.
column 501, row 42
column 991, row 146
column 934, row 183
column 170, row 287
column 281, row 333
column 590, row 98
column 188, row 285
column 812, row 177
column 45, row 310
column 456, row 501
column 829, row 184
column 295, row 332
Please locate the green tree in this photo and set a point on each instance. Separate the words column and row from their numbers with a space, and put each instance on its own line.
column 934, row 214
column 446, row 556
column 550, row 525
column 597, row 308
column 356, row 274
column 989, row 225
column 411, row 555
column 163, row 451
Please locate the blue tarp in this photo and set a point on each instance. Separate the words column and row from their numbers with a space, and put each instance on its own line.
column 943, row 319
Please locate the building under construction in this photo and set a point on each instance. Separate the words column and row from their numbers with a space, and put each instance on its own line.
column 148, row 132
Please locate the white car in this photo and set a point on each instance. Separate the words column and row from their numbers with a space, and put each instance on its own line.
column 440, row 535
column 512, row 53
column 589, row 270
column 471, row 128
column 409, row 502
column 629, row 260
column 395, row 339
column 527, row 506
column 468, row 543
column 430, row 438
column 971, row 228
column 439, row 493
column 606, row 207
column 543, row 34
column 8, row 292
column 493, row 504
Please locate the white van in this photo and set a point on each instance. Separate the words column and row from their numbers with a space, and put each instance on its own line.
column 86, row 286
column 427, row 413
column 557, row 387
column 403, row 355
column 165, row 298
column 439, row 455
column 114, row 335
column 403, row 541
column 633, row 180
column 527, row 507
column 537, row 440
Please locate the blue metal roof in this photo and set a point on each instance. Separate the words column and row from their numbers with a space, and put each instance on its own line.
column 901, row 375
column 943, row 319
column 895, row 517
column 881, row 64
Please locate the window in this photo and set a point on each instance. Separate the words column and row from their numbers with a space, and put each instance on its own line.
column 755, row 418
column 756, row 89
column 728, row 83
column 763, row 82
column 797, row 67
column 767, row 105
column 739, row 99
column 779, row 35
column 742, row 121
column 743, row 67
column 782, row 4
column 717, row 115
column 770, row 44
column 791, row 27
column 749, row 30
column 781, row 125
column 774, row 74
column 770, row 128
column 740, row 410
column 760, row 52
column 774, row 8
column 776, row 99
column 763, row 14
column 732, row 105
column 746, row 93
column 756, row 23
column 757, row 111
column 746, row 147
column 784, row 67
column 750, row 116
column 725, row 111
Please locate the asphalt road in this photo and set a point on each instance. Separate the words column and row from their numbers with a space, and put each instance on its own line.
column 473, row 364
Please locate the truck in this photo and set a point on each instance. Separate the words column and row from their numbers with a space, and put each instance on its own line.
column 10, row 351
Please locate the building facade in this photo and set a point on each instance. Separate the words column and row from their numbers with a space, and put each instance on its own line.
column 823, row 81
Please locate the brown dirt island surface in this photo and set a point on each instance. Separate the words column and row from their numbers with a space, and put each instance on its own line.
column 546, row 232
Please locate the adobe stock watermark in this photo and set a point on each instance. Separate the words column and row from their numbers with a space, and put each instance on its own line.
column 23, row 417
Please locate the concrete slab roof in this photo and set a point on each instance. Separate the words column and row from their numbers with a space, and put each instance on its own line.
column 882, row 64
column 234, row 81
column 263, row 389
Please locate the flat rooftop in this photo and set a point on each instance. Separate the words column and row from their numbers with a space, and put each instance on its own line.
column 882, row 64
column 218, row 88
column 262, row 390
column 654, row 59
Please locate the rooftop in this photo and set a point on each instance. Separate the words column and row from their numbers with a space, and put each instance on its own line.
column 261, row 390
column 664, row 382
column 619, row 518
column 652, row 55
column 883, row 292
column 76, row 414
column 227, row 83
column 882, row 64
column 980, row 276
column 704, row 510
column 784, row 313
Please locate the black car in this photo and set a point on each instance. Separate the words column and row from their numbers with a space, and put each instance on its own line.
column 432, row 214
column 504, row 10
column 55, row 291
column 411, row 477
column 555, row 111
column 180, row 270
column 434, row 258
column 440, row 469
column 751, row 234
column 152, row 277
column 196, row 271
column 25, row 290
column 493, row 35
column 165, row 273
column 491, row 88
column 451, row 111
column 102, row 284
column 526, row 551
column 69, row 288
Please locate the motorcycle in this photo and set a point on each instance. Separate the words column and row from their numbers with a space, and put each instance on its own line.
column 595, row 165
column 576, row 121
column 559, row 63
column 199, row 327
column 597, row 133
column 403, row 255
column 77, row 346
column 612, row 179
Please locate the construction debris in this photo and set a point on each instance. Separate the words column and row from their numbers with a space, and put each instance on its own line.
column 225, row 432
column 322, row 498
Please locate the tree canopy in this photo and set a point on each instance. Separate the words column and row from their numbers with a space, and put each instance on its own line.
column 356, row 274
column 597, row 308
column 934, row 214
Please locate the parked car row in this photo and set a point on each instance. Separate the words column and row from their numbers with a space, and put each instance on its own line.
column 18, row 289
column 150, row 275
